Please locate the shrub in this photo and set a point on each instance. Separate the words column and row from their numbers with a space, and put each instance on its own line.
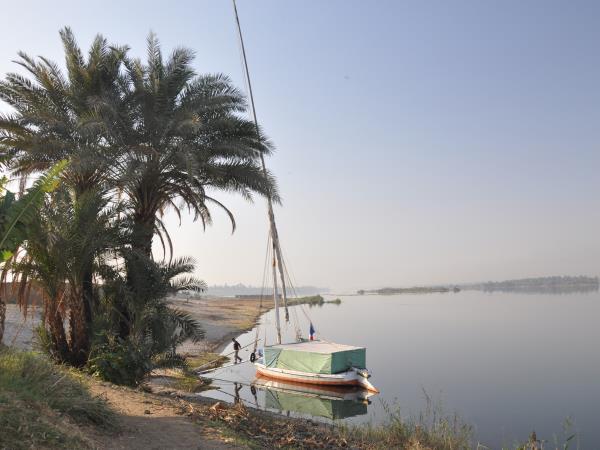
column 154, row 328
column 120, row 362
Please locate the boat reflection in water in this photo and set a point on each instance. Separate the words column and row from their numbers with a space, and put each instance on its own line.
column 329, row 402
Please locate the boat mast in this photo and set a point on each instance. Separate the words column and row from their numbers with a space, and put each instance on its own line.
column 276, row 300
column 277, row 258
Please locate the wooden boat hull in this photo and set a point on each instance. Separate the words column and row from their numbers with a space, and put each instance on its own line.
column 348, row 378
column 334, row 392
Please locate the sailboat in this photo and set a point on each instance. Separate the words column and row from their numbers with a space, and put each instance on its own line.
column 308, row 361
column 316, row 362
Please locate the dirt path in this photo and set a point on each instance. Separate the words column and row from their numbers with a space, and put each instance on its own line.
column 153, row 422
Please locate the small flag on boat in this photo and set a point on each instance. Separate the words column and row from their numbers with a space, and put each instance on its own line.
column 311, row 332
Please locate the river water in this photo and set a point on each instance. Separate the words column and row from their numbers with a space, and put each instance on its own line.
column 506, row 363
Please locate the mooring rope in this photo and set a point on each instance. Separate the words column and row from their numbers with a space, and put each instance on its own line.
column 197, row 369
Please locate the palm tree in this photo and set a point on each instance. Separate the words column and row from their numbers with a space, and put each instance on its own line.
column 181, row 136
column 68, row 240
column 156, row 133
column 16, row 216
column 58, row 116
column 184, row 136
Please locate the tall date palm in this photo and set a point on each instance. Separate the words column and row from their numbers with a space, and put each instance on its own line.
column 184, row 138
column 181, row 137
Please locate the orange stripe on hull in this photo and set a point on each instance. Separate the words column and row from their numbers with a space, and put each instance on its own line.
column 278, row 376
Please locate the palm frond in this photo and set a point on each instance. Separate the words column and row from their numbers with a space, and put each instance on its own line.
column 23, row 210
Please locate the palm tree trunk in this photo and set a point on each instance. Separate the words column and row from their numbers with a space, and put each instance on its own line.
column 87, row 284
column 79, row 331
column 57, row 334
column 142, row 236
column 88, row 297
column 2, row 318
column 143, row 233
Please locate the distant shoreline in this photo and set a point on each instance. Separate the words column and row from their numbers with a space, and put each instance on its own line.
column 411, row 290
column 550, row 285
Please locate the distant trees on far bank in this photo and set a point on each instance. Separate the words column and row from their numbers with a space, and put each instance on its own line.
column 555, row 284
column 551, row 285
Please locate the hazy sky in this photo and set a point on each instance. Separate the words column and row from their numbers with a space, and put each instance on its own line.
column 417, row 142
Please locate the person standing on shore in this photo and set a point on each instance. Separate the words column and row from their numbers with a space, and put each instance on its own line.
column 236, row 348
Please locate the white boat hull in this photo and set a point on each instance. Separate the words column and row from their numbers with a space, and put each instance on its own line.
column 348, row 378
column 352, row 393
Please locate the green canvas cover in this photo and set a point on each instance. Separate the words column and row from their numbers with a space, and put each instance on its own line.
column 315, row 357
column 313, row 405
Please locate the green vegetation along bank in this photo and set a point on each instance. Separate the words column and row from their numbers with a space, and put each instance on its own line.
column 411, row 290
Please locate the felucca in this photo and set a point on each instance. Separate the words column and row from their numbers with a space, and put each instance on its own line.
column 309, row 361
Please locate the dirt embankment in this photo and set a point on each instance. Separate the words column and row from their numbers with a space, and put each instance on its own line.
column 148, row 421
column 152, row 421
column 167, row 419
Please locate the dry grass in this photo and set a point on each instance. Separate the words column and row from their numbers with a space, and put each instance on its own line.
column 42, row 405
column 430, row 430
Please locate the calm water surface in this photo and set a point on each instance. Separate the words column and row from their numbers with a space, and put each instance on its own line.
column 506, row 363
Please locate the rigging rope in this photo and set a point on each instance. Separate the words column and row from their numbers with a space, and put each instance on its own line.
column 277, row 250
column 292, row 280
column 295, row 320
column 274, row 234
column 292, row 284
column 262, row 290
column 197, row 369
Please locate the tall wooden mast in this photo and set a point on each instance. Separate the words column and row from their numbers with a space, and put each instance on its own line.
column 277, row 257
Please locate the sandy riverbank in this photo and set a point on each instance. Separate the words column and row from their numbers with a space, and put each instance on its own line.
column 222, row 318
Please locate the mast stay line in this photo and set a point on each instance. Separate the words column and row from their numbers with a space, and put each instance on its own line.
column 277, row 256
